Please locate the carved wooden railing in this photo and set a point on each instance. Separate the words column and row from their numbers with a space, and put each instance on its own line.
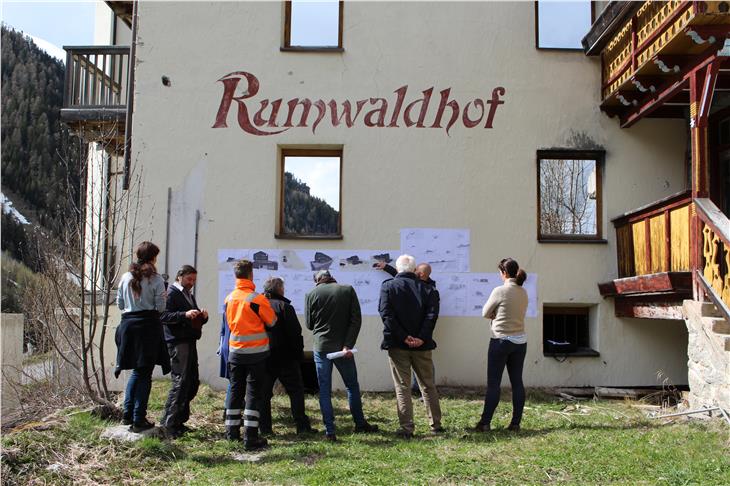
column 655, row 238
column 715, row 258
column 654, row 25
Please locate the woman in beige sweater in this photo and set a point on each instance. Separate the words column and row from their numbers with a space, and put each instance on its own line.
column 506, row 307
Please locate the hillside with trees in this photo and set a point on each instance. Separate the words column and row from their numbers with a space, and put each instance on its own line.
column 32, row 136
column 304, row 213
column 34, row 148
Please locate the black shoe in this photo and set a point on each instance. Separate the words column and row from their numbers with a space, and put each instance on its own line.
column 366, row 428
column 438, row 430
column 174, row 433
column 404, row 434
column 255, row 444
column 126, row 421
column 138, row 427
column 481, row 427
column 306, row 429
column 330, row 437
column 513, row 427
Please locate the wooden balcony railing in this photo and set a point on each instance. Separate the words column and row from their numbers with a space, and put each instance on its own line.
column 644, row 49
column 96, row 81
column 715, row 259
column 655, row 238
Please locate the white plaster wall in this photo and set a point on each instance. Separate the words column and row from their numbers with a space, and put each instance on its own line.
column 402, row 177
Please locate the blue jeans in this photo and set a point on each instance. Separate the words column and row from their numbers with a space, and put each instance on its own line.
column 137, row 394
column 348, row 372
column 503, row 352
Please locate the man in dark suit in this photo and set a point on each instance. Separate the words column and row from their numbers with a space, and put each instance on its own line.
column 183, row 321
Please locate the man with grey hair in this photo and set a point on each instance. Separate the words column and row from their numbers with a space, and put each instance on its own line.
column 284, row 363
column 409, row 308
column 332, row 312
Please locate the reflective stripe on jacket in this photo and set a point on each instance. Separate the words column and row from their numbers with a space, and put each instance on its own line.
column 247, row 313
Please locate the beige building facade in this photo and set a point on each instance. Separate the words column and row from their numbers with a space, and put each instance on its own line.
column 220, row 181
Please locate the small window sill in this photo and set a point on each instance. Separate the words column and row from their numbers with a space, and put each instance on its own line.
column 307, row 237
column 567, row 49
column 599, row 241
column 581, row 353
column 310, row 49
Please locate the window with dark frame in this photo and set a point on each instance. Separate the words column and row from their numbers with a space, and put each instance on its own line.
column 566, row 331
column 310, row 194
column 569, row 195
column 313, row 25
column 561, row 25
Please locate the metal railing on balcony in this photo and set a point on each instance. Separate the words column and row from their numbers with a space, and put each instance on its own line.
column 96, row 80
column 655, row 238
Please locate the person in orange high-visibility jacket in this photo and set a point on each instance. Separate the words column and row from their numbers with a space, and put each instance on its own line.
column 246, row 314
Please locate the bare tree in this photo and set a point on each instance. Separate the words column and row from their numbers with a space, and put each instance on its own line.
column 566, row 204
column 74, row 299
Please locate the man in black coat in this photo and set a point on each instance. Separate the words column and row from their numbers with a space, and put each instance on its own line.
column 284, row 363
column 423, row 272
column 409, row 309
column 183, row 321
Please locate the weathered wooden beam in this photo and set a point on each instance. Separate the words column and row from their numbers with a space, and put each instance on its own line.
column 671, row 310
column 673, row 282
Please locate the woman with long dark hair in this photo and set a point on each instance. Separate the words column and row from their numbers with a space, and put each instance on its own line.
column 141, row 296
column 506, row 307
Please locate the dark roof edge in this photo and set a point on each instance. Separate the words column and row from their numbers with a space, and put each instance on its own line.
column 610, row 20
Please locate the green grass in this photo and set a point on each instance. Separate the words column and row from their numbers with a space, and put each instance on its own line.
column 601, row 442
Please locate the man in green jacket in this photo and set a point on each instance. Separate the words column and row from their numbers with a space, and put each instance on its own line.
column 332, row 313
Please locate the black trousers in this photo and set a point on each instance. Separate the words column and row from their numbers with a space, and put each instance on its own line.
column 185, row 383
column 246, row 380
column 289, row 373
column 504, row 353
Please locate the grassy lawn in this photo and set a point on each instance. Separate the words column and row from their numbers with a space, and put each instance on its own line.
column 589, row 442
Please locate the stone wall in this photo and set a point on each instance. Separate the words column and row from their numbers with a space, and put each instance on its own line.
column 11, row 336
column 708, row 360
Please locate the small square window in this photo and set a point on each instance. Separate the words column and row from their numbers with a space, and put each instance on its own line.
column 567, row 331
column 313, row 25
column 562, row 25
column 569, row 195
column 310, row 194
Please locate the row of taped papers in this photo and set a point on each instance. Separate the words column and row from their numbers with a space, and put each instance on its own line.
column 298, row 267
column 464, row 294
column 445, row 249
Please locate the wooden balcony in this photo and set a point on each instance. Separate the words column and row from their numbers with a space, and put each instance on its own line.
column 654, row 259
column 714, row 275
column 95, row 93
column 647, row 50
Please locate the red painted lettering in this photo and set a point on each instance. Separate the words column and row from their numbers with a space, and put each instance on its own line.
column 230, row 82
column 468, row 122
column 380, row 112
column 442, row 106
column 493, row 104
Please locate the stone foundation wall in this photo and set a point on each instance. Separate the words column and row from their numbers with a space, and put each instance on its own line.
column 708, row 362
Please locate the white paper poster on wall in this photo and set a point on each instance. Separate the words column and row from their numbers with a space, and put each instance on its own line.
column 297, row 268
column 445, row 249
column 463, row 294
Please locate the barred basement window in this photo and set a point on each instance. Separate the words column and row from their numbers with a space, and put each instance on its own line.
column 569, row 195
column 562, row 25
column 566, row 331
column 312, row 25
column 310, row 194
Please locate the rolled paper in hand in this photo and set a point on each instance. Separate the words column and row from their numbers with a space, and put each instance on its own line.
column 340, row 354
